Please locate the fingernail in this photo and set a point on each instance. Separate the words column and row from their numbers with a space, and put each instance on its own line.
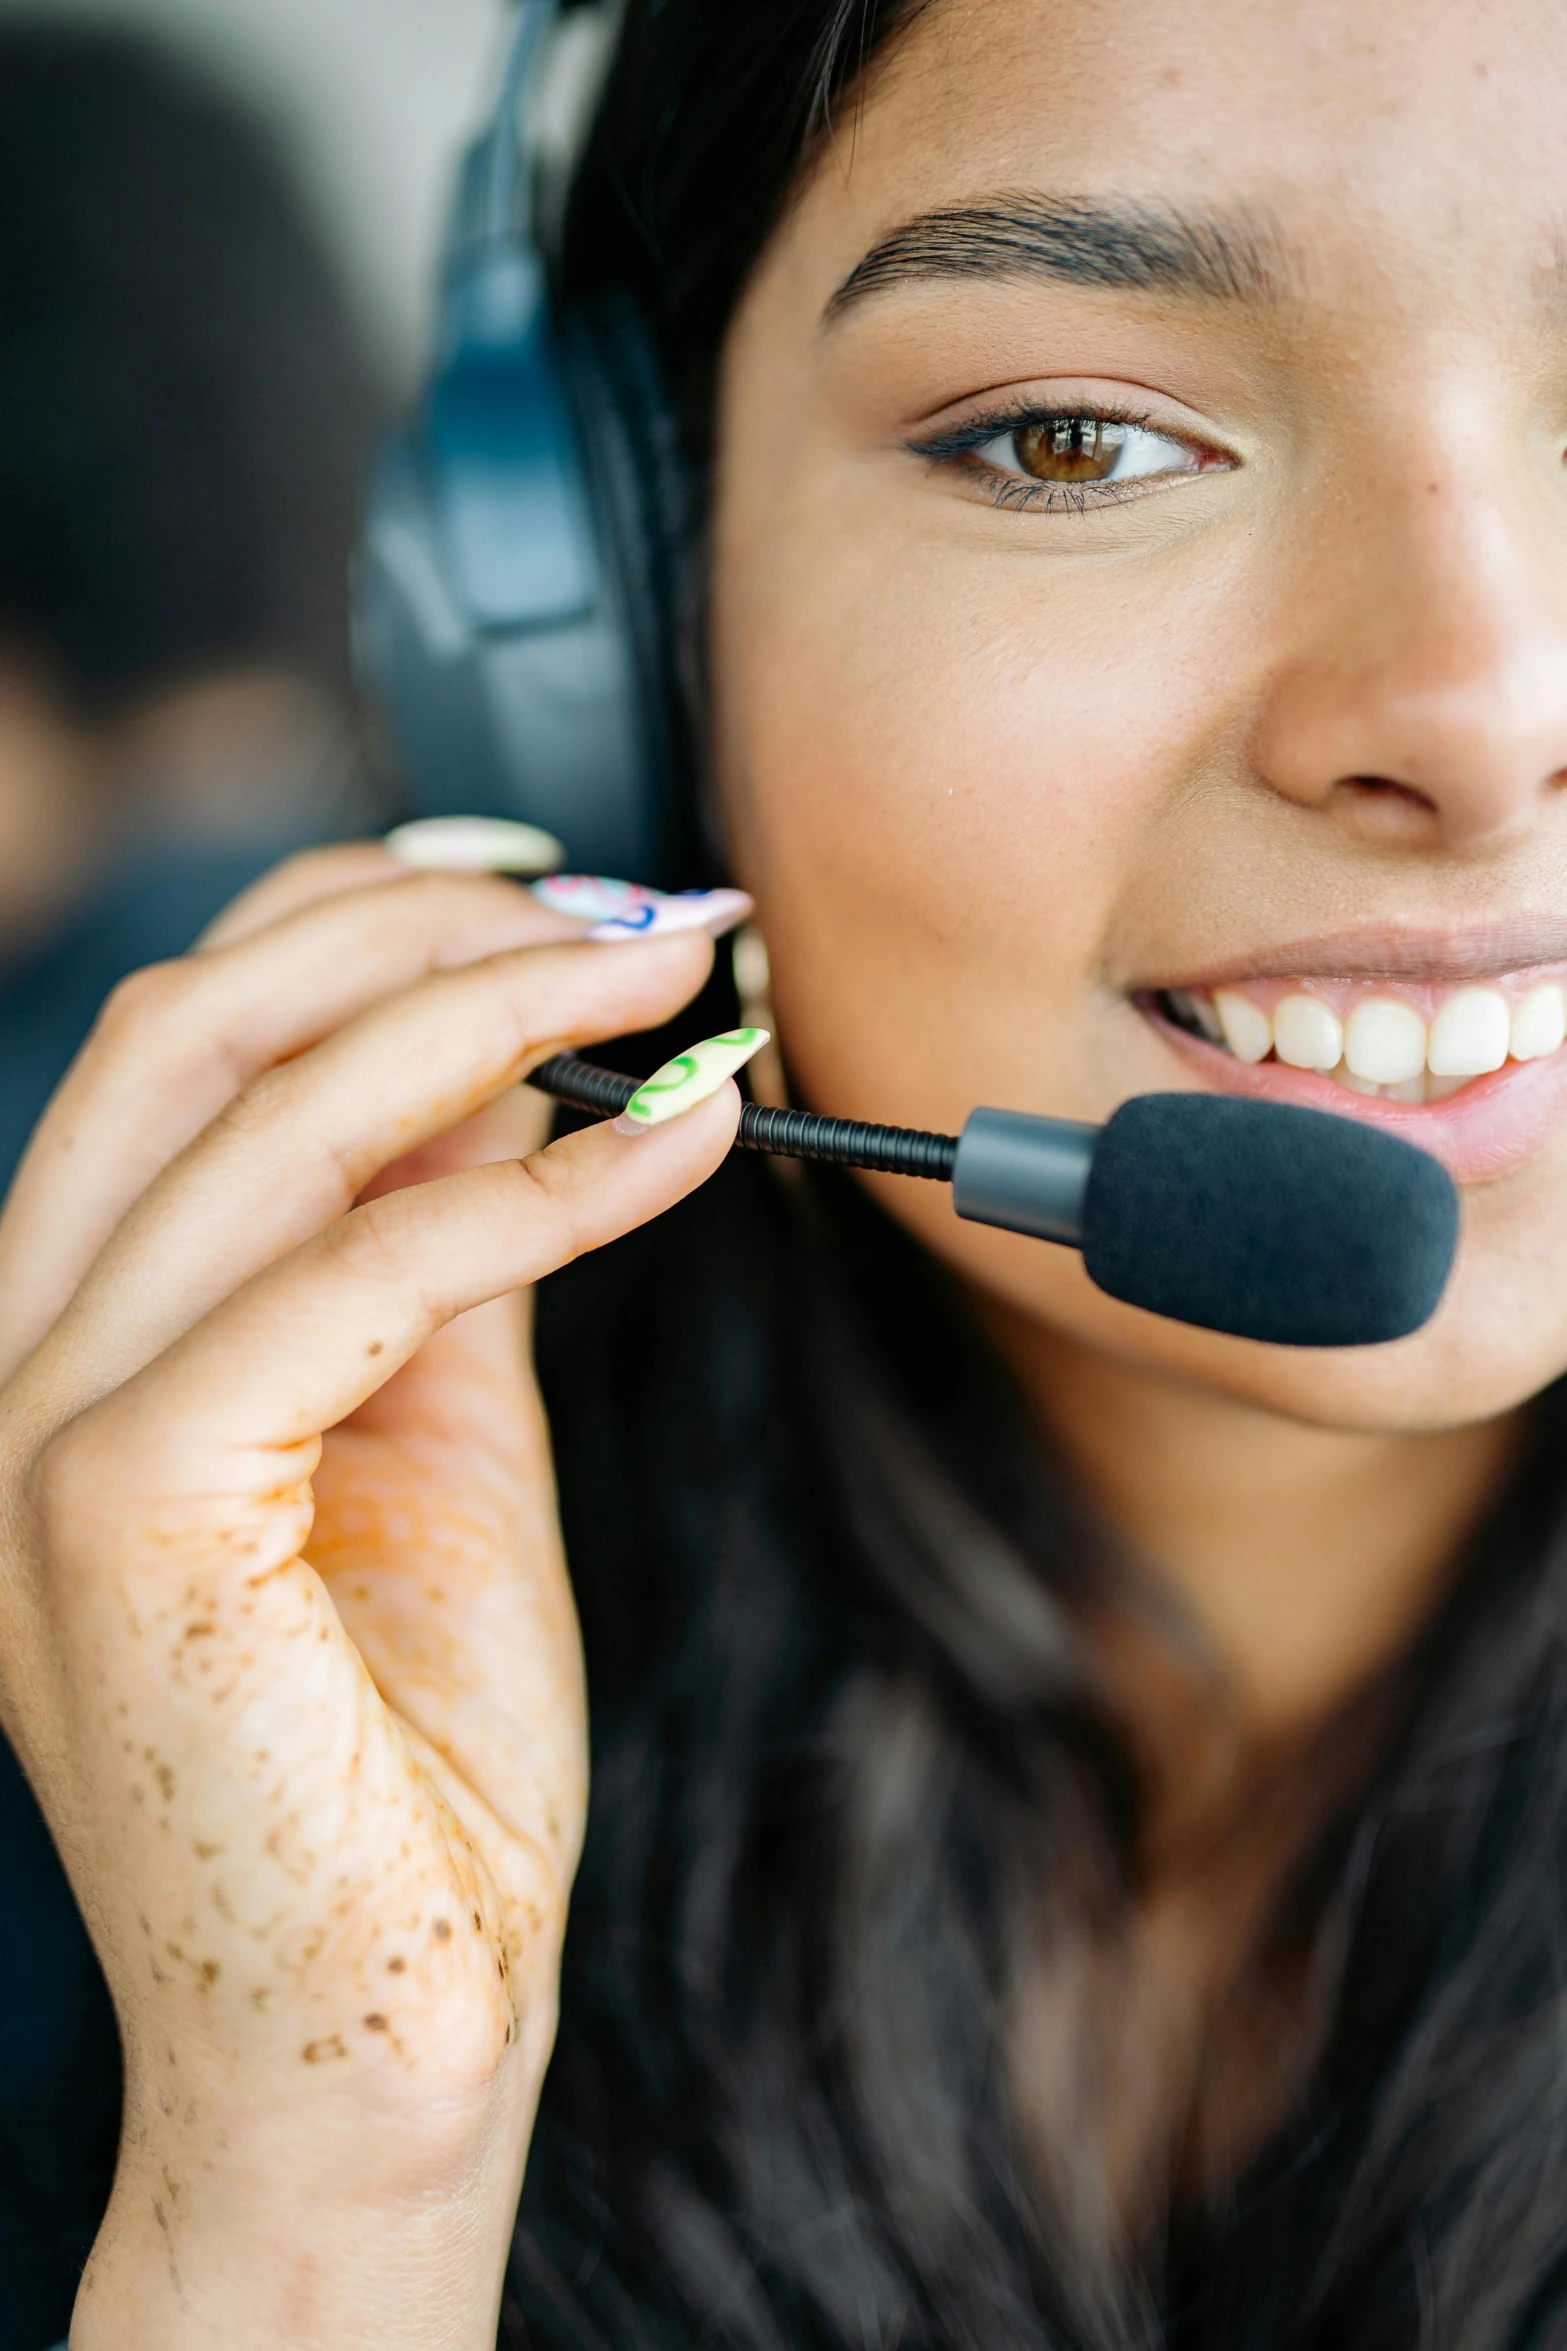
column 689, row 1079
column 592, row 897
column 474, row 844
column 625, row 910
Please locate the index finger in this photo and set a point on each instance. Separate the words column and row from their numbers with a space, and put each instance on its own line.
column 177, row 1043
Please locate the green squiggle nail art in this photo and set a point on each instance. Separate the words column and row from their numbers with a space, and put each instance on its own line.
column 689, row 1079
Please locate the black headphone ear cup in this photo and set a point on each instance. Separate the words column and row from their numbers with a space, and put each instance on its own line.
column 644, row 509
column 585, row 725
column 528, row 587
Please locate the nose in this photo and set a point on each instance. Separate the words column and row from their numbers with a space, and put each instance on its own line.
column 1425, row 699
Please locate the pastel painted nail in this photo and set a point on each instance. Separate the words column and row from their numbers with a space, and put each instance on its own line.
column 474, row 844
column 654, row 915
column 627, row 910
column 592, row 897
column 689, row 1079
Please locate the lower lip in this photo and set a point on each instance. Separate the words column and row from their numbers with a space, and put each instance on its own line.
column 1480, row 1134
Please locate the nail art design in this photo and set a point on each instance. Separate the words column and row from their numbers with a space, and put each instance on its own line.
column 713, row 911
column 625, row 910
column 689, row 1079
column 592, row 897
column 474, row 844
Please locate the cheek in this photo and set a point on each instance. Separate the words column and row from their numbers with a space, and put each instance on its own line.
column 1496, row 1340
column 948, row 769
column 956, row 786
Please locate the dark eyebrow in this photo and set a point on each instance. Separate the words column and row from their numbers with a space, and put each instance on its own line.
column 1135, row 248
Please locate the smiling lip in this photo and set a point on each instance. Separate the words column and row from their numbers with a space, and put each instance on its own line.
column 1481, row 1131
column 1442, row 958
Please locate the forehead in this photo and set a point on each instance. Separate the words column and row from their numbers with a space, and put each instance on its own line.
column 1427, row 137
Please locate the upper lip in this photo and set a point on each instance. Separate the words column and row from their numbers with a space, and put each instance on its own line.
column 1387, row 951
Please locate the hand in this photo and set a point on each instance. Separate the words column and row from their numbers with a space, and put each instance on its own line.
column 286, row 1640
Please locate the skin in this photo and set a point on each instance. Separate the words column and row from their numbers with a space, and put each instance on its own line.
column 968, row 748
column 988, row 773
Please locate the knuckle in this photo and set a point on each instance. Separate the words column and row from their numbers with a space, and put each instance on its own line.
column 251, row 1108
column 545, row 1179
column 378, row 1241
column 549, row 1189
column 507, row 985
column 517, row 1024
column 144, row 1000
column 270, row 1103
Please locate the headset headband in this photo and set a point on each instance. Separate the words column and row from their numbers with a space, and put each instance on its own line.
column 509, row 192
column 513, row 604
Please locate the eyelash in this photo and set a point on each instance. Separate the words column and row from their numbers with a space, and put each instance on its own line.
column 955, row 447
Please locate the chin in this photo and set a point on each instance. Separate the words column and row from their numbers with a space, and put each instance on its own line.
column 1498, row 1338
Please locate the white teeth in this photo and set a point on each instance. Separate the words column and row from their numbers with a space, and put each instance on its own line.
column 1384, row 1047
column 1469, row 1035
column 1539, row 1023
column 1385, row 1040
column 1307, row 1033
column 1248, row 1032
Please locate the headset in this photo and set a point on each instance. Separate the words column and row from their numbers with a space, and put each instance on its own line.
column 525, row 546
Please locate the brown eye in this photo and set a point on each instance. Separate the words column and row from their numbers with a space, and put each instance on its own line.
column 1070, row 448
column 1083, row 455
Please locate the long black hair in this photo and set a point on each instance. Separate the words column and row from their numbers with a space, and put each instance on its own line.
column 856, row 1793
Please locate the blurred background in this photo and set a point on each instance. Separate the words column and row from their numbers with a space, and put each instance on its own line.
column 365, row 100
column 218, row 227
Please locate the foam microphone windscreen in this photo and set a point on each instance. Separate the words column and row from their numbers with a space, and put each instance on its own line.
column 1268, row 1221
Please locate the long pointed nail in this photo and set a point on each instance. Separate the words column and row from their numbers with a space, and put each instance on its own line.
column 625, row 910
column 713, row 911
column 475, row 844
column 689, row 1079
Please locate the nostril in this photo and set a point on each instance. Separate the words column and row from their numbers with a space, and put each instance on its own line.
column 1384, row 788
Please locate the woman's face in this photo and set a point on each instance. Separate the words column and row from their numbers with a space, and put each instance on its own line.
column 1141, row 603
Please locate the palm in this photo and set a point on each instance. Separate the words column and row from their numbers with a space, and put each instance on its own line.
column 436, row 1539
